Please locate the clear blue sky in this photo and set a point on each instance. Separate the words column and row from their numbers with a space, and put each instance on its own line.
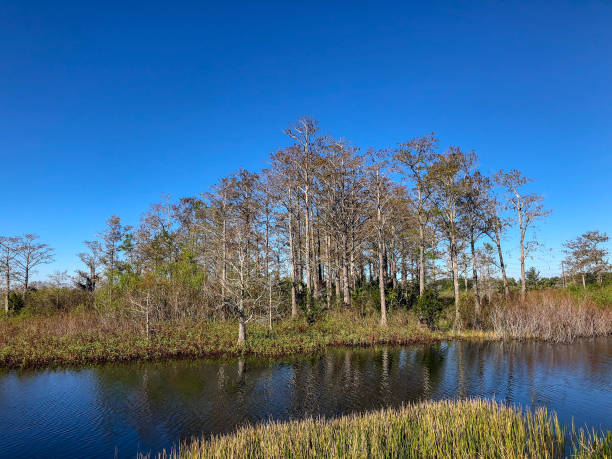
column 104, row 106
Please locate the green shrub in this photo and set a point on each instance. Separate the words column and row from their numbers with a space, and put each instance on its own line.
column 429, row 308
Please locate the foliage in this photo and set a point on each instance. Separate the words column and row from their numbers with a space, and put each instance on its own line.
column 429, row 308
column 16, row 302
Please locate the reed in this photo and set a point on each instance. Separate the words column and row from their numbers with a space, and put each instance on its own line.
column 551, row 315
column 446, row 429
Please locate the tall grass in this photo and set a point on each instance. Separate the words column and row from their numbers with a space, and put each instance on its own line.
column 552, row 315
column 448, row 429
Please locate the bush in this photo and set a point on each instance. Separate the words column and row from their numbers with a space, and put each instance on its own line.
column 16, row 302
column 429, row 308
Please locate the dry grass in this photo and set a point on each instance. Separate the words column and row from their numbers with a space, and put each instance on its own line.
column 551, row 315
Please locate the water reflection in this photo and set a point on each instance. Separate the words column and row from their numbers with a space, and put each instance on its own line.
column 149, row 406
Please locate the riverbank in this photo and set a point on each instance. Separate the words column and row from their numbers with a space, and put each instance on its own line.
column 80, row 339
column 448, row 429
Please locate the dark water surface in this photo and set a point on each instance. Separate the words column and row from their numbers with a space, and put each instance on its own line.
column 126, row 408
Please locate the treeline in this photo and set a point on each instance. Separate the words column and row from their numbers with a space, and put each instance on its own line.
column 320, row 227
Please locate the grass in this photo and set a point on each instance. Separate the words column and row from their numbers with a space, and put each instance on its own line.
column 76, row 339
column 448, row 429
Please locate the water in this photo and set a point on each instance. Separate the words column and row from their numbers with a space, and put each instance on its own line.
column 126, row 408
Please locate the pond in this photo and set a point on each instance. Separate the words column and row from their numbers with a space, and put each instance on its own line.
column 123, row 409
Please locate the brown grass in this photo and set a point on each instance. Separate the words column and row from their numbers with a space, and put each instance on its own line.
column 551, row 315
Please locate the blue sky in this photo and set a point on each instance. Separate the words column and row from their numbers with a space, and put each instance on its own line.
column 106, row 106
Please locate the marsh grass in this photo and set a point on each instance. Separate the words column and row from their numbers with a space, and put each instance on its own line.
column 447, row 429
column 77, row 338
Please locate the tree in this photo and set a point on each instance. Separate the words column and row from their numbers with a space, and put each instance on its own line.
column 448, row 173
column 87, row 280
column 112, row 237
column 528, row 208
column 585, row 254
column 532, row 277
column 283, row 186
column 474, row 210
column 308, row 143
column 343, row 194
column 416, row 157
column 9, row 251
column 31, row 255
column 495, row 228
column 381, row 192
column 58, row 282
column 242, row 282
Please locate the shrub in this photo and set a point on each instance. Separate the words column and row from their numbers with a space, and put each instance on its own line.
column 428, row 308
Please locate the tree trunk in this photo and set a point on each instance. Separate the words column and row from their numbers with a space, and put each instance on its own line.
column 421, row 260
column 381, row 277
column 224, row 271
column 241, row 318
column 523, row 281
column 7, row 286
column 522, row 230
column 453, row 252
column 307, row 255
column 26, row 278
column 501, row 262
column 328, row 287
column 268, row 275
column 337, row 274
column 433, row 263
column 346, row 296
column 475, row 280
column 294, row 310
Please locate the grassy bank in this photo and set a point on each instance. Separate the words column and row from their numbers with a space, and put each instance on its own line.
column 447, row 429
column 75, row 339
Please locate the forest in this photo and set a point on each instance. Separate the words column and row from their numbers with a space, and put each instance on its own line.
column 399, row 240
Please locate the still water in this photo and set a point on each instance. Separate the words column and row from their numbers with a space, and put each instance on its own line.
column 126, row 408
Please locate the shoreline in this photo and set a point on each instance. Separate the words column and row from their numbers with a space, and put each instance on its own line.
column 83, row 340
column 194, row 340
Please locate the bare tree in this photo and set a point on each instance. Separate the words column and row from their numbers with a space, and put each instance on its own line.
column 449, row 187
column 528, row 208
column 242, row 281
column 416, row 157
column 381, row 192
column 9, row 251
column 58, row 281
column 343, row 192
column 87, row 280
column 31, row 255
column 283, row 186
column 474, row 209
column 495, row 228
column 305, row 134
